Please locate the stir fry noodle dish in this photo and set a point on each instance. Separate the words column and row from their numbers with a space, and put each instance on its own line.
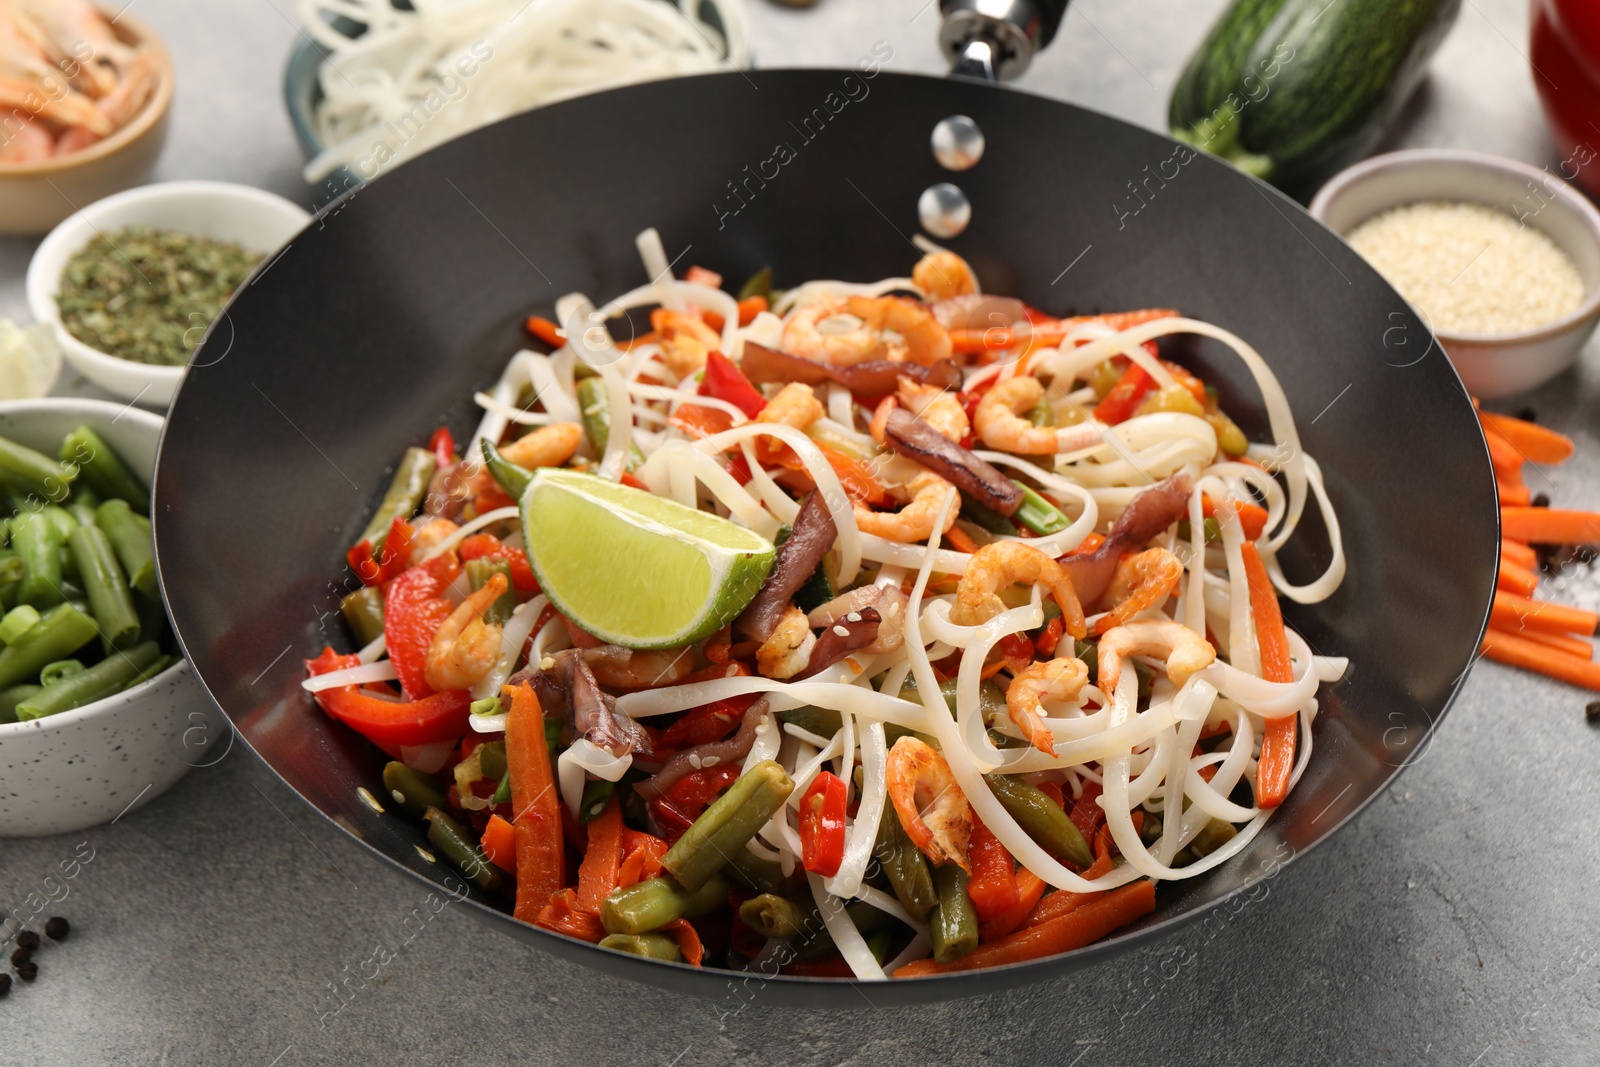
column 851, row 630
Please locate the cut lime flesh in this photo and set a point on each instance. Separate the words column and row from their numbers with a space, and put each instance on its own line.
column 635, row 569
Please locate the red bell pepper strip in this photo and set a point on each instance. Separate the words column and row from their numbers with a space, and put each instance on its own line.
column 688, row 939
column 563, row 915
column 690, row 796
column 443, row 446
column 414, row 607
column 705, row 724
column 993, row 883
column 488, row 546
column 641, row 857
column 1085, row 813
column 726, row 382
column 389, row 723
column 1126, row 396
column 389, row 561
column 822, row 825
column 500, row 843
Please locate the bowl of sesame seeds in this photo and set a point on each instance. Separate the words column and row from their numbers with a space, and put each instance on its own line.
column 1501, row 259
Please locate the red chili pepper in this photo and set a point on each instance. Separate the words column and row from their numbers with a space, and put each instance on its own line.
column 822, row 825
column 724, row 381
column 690, row 796
column 443, row 446
column 705, row 724
column 389, row 723
column 1125, row 397
column 414, row 607
column 488, row 546
column 993, row 883
column 389, row 561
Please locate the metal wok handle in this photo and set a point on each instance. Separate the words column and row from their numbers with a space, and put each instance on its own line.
column 994, row 40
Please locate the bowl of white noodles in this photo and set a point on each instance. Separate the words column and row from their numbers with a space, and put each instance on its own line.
column 375, row 82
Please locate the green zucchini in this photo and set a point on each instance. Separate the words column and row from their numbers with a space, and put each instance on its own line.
column 1292, row 91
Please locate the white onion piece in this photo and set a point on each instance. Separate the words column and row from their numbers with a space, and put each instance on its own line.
column 584, row 757
column 863, row 830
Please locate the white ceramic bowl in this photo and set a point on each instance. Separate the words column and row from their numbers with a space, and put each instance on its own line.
column 258, row 220
column 87, row 766
column 1491, row 365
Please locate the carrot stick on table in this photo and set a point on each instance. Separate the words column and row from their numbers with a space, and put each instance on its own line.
column 1532, row 440
column 1521, row 652
column 1549, row 526
column 535, row 803
column 1512, row 495
column 1516, row 613
column 1515, row 579
column 1278, row 741
column 1506, row 459
column 1519, row 553
column 1572, row 646
column 1078, row 928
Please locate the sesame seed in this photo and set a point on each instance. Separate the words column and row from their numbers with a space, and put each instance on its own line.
column 710, row 761
column 894, row 609
column 694, row 761
column 854, row 616
column 841, row 631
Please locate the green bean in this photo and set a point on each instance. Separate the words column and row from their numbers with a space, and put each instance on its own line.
column 132, row 544
column 81, row 513
column 479, row 571
column 878, row 944
column 512, row 478
column 762, row 875
column 595, row 406
column 596, row 792
column 109, row 596
column 986, row 517
column 51, row 673
column 824, row 722
column 1041, row 818
column 404, row 495
column 492, row 759
column 728, row 824
column 953, row 926
column 650, row 946
column 1212, row 836
column 160, row 664
column 33, row 472
column 654, row 902
column 17, row 622
column 1042, row 415
column 771, row 915
column 758, row 284
column 502, row 795
column 102, row 469
column 863, row 916
column 554, row 733
column 152, row 620
column 38, row 543
column 486, row 706
column 63, row 520
column 108, row 676
column 61, row 632
column 83, row 493
column 410, row 789
column 69, row 566
column 991, row 698
column 905, row 865
column 1212, row 531
column 363, row 613
column 458, row 846
column 1038, row 514
column 10, row 698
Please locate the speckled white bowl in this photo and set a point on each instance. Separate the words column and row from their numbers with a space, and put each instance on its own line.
column 93, row 764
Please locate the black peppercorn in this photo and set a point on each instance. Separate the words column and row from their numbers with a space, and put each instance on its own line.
column 1591, row 712
column 57, row 928
column 5, row 984
column 1542, row 500
column 21, row 956
column 28, row 971
column 28, row 939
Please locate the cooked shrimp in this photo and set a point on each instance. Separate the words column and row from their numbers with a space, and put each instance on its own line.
column 1060, row 679
column 932, row 808
column 28, row 143
column 466, row 648
column 939, row 408
column 685, row 340
column 914, row 522
column 1183, row 650
column 923, row 340
column 69, row 108
column 787, row 652
column 795, row 405
column 1141, row 581
column 942, row 275
column 996, row 566
column 844, row 341
column 1000, row 424
column 425, row 537
column 547, row 446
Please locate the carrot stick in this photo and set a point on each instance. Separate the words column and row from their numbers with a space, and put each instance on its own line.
column 545, row 330
column 1278, row 740
column 1572, row 646
column 1534, row 441
column 1515, row 579
column 1506, row 459
column 1512, row 495
column 1030, row 887
column 598, row 874
column 500, row 843
column 563, row 916
column 1078, row 928
column 1550, row 526
column 750, row 307
column 959, row 540
column 1519, row 553
column 1253, row 517
column 1515, row 613
column 1531, row 655
column 688, row 939
column 535, row 802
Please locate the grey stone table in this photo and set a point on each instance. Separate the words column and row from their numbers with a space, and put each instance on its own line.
column 1453, row 923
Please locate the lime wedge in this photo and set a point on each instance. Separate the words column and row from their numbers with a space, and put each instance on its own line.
column 634, row 569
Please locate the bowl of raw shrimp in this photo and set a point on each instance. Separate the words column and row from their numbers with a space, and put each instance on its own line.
column 92, row 97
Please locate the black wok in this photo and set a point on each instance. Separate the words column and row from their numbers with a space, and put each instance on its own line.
column 381, row 320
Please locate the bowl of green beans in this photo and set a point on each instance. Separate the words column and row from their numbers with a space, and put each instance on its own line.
column 98, row 711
